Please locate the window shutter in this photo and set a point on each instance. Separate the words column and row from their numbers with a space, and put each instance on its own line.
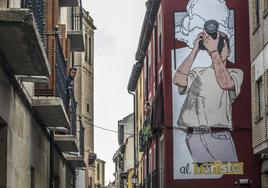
column 52, row 10
column 254, row 16
column 63, row 39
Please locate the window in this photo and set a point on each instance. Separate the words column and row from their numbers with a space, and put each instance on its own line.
column 149, row 55
column 87, row 108
column 146, row 81
column 161, row 162
column 98, row 171
column 32, row 177
column 90, row 182
column 259, row 99
column 145, row 167
column 155, row 159
column 56, row 182
column 89, row 50
column 103, row 174
column 159, row 46
column 255, row 14
column 159, row 33
column 120, row 133
column 140, row 89
column 86, row 46
column 266, row 5
column 150, row 161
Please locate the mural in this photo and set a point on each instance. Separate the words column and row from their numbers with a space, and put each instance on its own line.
column 204, row 89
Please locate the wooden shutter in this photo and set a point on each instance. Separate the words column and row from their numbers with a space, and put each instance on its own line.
column 52, row 12
column 265, row 5
column 254, row 16
column 63, row 39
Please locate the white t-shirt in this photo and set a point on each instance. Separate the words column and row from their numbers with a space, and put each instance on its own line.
column 206, row 103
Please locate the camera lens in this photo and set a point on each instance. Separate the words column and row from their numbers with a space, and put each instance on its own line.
column 211, row 27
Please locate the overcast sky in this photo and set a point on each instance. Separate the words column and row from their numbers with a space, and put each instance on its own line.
column 118, row 25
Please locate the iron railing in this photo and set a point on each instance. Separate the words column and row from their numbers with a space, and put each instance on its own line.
column 60, row 72
column 61, row 88
column 77, row 17
column 37, row 8
column 73, row 114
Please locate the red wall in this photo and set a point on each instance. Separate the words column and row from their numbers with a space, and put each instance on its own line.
column 241, row 107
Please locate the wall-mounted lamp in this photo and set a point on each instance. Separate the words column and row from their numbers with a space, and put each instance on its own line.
column 243, row 182
column 134, row 179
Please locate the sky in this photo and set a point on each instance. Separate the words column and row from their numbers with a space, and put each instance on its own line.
column 119, row 24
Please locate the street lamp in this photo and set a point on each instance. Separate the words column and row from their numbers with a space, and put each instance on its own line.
column 134, row 180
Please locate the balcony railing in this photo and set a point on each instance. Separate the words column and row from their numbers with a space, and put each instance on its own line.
column 77, row 18
column 37, row 8
column 61, row 88
column 60, row 72
column 73, row 114
column 75, row 32
column 81, row 139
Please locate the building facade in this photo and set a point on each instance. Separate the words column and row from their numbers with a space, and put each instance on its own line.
column 38, row 125
column 124, row 156
column 99, row 173
column 192, row 119
column 84, row 90
column 258, row 11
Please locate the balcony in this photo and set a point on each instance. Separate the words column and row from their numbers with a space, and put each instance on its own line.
column 75, row 33
column 68, row 3
column 75, row 161
column 123, row 175
column 21, row 35
column 66, row 143
column 51, row 111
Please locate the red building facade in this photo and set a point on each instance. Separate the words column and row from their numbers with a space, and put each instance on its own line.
column 198, row 140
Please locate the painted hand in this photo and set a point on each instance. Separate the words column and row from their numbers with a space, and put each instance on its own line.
column 197, row 40
column 210, row 43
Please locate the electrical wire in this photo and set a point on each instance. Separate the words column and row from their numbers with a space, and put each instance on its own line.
column 105, row 129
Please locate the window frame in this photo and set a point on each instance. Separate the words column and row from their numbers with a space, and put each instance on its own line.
column 255, row 15
column 260, row 99
column 86, row 46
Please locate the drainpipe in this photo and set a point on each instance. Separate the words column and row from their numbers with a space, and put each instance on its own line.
column 132, row 84
column 51, row 161
column 134, row 127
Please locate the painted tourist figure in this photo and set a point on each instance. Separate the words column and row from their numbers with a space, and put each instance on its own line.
column 206, row 114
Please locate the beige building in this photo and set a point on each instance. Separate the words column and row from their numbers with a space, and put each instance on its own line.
column 124, row 156
column 38, row 129
column 84, row 90
column 259, row 80
column 99, row 173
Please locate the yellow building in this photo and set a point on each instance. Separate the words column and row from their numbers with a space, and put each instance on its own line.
column 139, row 122
column 130, row 174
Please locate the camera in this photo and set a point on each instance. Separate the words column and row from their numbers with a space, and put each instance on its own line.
column 211, row 27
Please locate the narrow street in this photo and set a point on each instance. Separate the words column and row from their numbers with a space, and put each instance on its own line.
column 133, row 94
